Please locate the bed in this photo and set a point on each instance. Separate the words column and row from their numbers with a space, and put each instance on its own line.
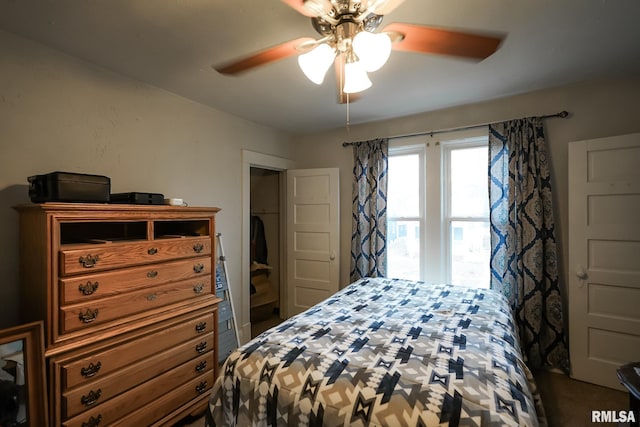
column 384, row 352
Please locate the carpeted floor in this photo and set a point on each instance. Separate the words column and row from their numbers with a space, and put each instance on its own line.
column 568, row 403
column 265, row 323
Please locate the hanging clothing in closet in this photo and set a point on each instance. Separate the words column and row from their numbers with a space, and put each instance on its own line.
column 258, row 241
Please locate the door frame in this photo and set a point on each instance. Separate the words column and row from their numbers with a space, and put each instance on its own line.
column 264, row 161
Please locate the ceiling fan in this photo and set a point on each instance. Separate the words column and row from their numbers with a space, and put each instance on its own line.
column 349, row 42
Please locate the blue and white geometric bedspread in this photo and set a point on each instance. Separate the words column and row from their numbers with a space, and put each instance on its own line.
column 384, row 352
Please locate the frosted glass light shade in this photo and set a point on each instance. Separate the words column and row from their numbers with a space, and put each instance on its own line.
column 355, row 78
column 372, row 49
column 315, row 63
column 318, row 7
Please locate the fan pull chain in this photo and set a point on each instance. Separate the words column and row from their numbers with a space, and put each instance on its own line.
column 348, row 117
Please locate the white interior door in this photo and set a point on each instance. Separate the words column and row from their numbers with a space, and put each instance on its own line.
column 604, row 257
column 313, row 258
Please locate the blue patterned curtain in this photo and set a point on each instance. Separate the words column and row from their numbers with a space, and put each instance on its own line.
column 524, row 260
column 369, row 214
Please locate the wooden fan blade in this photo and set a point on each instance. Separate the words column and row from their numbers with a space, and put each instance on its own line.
column 272, row 54
column 422, row 39
column 342, row 95
column 298, row 5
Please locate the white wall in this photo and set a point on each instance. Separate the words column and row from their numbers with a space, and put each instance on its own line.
column 598, row 108
column 60, row 113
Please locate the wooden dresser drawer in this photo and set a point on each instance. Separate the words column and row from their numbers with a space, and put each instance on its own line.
column 191, row 392
column 145, row 393
column 98, row 311
column 93, row 365
column 77, row 259
column 82, row 288
column 102, row 390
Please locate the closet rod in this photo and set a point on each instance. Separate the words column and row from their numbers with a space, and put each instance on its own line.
column 561, row 114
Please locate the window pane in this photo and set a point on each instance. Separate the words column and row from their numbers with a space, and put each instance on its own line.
column 403, row 186
column 469, row 188
column 403, row 249
column 470, row 253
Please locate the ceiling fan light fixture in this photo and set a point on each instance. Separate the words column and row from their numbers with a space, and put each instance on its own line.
column 315, row 63
column 372, row 49
column 355, row 77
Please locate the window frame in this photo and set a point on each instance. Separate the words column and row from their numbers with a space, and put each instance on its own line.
column 435, row 196
column 409, row 148
column 447, row 217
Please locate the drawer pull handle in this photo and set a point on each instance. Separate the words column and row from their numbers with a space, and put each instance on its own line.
column 201, row 327
column 198, row 247
column 88, row 316
column 152, row 297
column 93, row 421
column 152, row 251
column 89, row 261
column 202, row 347
column 91, row 370
column 88, row 288
column 91, row 398
column 152, row 274
column 200, row 367
column 198, row 288
column 198, row 268
column 200, row 388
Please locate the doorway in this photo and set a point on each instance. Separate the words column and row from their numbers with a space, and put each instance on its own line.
column 265, row 249
column 266, row 165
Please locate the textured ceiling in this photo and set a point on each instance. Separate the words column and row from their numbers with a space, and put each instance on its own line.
column 172, row 44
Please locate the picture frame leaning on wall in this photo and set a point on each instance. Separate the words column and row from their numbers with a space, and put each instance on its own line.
column 23, row 393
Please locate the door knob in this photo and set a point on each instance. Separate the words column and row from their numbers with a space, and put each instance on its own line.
column 581, row 273
column 332, row 256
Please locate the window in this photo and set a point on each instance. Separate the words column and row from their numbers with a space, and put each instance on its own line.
column 438, row 211
column 405, row 201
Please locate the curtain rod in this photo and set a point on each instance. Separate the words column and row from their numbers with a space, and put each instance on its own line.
column 562, row 114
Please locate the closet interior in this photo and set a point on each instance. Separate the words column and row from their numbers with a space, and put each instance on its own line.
column 265, row 246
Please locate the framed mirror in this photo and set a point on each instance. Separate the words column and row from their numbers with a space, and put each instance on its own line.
column 23, row 397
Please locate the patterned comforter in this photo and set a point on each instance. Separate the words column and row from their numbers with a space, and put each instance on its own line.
column 384, row 352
